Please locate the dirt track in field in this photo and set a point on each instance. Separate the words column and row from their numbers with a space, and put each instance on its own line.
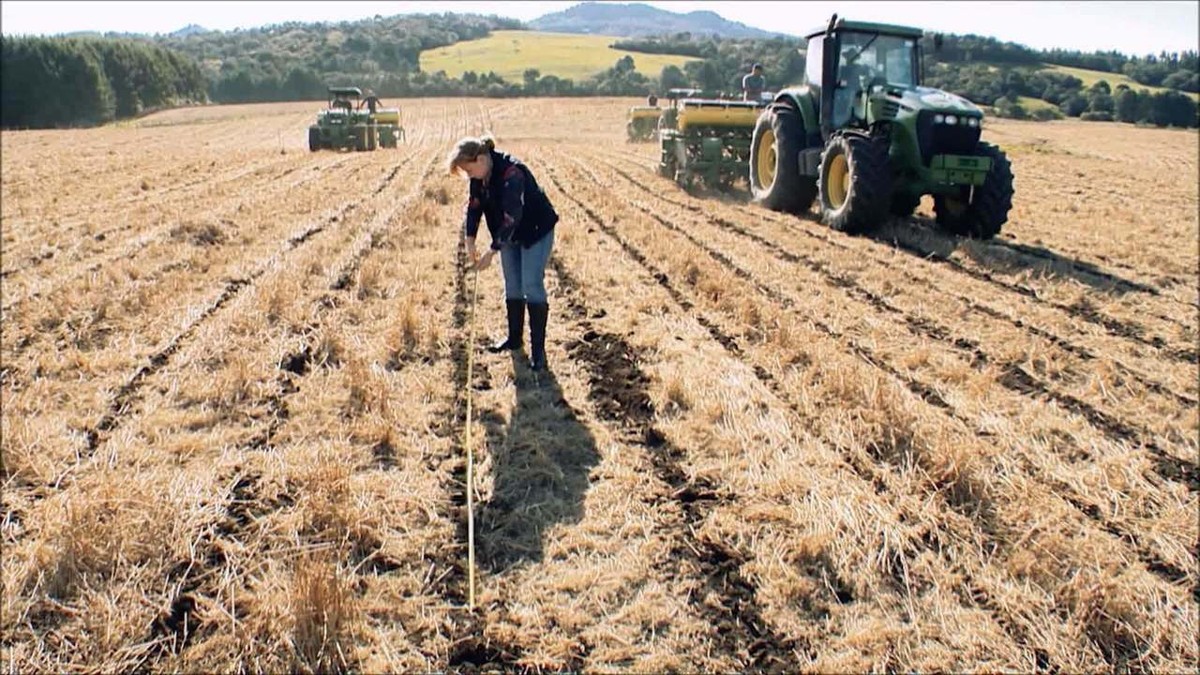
column 234, row 378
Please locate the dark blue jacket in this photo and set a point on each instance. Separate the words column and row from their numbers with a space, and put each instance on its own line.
column 514, row 205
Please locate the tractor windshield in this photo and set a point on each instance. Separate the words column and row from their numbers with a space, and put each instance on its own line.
column 875, row 55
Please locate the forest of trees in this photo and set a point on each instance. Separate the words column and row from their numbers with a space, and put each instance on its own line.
column 56, row 82
column 93, row 79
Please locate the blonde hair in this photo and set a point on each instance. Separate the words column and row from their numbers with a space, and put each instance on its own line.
column 467, row 150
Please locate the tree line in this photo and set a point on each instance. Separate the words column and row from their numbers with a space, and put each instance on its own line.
column 95, row 79
column 1003, row 87
column 80, row 81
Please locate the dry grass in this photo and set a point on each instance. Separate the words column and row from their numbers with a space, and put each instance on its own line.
column 233, row 384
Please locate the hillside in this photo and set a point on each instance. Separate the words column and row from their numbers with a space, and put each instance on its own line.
column 1090, row 77
column 638, row 20
column 510, row 53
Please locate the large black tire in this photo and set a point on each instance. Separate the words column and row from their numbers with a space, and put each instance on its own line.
column 372, row 137
column 855, row 183
column 775, row 180
column 982, row 214
column 903, row 204
column 314, row 139
column 667, row 163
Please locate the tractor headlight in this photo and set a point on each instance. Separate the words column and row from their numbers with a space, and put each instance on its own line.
column 951, row 119
column 972, row 122
column 939, row 118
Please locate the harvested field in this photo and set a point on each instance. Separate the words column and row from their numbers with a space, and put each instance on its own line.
column 234, row 376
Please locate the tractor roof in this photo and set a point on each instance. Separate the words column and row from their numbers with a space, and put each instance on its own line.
column 868, row 27
column 345, row 91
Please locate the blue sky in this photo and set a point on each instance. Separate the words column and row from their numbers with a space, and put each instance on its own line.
column 1133, row 28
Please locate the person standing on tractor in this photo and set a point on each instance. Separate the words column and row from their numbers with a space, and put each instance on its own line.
column 521, row 220
column 372, row 101
column 753, row 83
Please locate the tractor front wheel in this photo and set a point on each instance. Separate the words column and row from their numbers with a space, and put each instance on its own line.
column 314, row 139
column 979, row 214
column 855, row 183
column 775, row 179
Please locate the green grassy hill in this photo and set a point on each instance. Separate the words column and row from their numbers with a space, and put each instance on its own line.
column 509, row 53
column 1032, row 104
column 1090, row 77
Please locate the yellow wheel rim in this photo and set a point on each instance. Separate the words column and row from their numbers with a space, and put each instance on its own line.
column 766, row 159
column 838, row 181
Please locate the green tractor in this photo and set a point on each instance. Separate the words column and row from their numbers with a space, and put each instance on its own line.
column 706, row 137
column 866, row 140
column 353, row 123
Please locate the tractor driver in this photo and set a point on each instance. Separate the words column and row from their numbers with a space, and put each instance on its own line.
column 753, row 83
column 372, row 101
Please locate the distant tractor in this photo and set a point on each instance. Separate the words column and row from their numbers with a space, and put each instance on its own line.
column 353, row 123
column 706, row 138
column 863, row 138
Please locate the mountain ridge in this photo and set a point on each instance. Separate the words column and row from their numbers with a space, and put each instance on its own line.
column 641, row 20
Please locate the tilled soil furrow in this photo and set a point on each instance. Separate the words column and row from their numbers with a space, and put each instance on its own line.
column 977, row 597
column 1124, row 330
column 370, row 240
column 77, row 254
column 127, row 395
column 73, row 220
column 972, row 302
column 81, row 318
column 1153, row 563
column 619, row 392
column 471, row 651
column 1016, row 379
column 200, row 577
column 145, row 240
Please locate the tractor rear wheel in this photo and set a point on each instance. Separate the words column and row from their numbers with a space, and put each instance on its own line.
column 667, row 163
column 980, row 214
column 903, row 204
column 855, row 183
column 775, row 179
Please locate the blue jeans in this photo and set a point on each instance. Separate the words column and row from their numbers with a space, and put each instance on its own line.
column 525, row 270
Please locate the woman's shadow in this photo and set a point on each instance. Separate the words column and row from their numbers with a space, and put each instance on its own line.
column 541, row 465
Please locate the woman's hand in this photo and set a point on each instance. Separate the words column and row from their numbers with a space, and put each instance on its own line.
column 472, row 252
column 485, row 260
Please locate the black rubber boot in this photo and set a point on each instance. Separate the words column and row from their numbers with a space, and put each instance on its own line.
column 538, row 312
column 516, row 326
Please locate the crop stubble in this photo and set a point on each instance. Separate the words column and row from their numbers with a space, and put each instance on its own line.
column 762, row 445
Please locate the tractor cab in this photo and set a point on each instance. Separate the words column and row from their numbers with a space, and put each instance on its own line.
column 345, row 99
column 847, row 61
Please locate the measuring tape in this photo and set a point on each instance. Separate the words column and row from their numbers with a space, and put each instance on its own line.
column 470, row 448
